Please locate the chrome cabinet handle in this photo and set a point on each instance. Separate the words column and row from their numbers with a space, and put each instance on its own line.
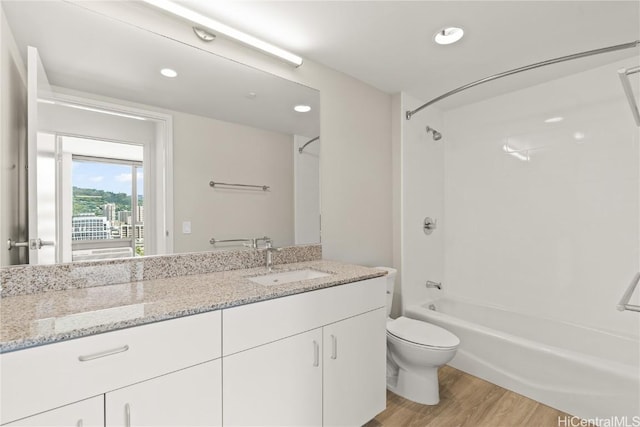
column 127, row 415
column 103, row 354
column 334, row 347
column 316, row 354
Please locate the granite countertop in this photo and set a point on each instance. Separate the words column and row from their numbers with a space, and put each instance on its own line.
column 48, row 317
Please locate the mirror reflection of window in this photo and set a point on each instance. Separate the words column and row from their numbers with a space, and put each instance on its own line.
column 104, row 200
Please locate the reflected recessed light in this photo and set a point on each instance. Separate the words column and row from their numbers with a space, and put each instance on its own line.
column 168, row 72
column 554, row 120
column 302, row 108
column 578, row 136
column 251, row 95
column 448, row 35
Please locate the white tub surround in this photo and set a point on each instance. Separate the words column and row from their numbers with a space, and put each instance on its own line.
column 537, row 196
column 582, row 371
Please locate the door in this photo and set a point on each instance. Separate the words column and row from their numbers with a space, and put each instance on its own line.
column 276, row 384
column 190, row 397
column 355, row 369
column 41, row 237
column 85, row 413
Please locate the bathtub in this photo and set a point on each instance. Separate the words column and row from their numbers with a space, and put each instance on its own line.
column 585, row 372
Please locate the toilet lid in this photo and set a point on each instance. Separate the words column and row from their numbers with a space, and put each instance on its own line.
column 422, row 333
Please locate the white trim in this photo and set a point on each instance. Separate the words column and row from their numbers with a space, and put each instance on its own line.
column 158, row 181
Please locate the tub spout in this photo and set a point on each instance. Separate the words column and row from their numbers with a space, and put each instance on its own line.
column 437, row 285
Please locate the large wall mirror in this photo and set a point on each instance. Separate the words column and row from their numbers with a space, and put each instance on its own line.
column 138, row 144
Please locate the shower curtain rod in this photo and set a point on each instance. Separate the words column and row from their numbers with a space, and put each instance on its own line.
column 307, row 143
column 525, row 68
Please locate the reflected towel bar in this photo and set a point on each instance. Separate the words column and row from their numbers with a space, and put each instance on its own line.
column 624, row 302
column 251, row 242
column 624, row 74
column 226, row 184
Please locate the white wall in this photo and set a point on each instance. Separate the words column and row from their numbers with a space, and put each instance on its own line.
column 356, row 141
column 206, row 149
column 13, row 124
column 555, row 236
column 421, row 175
column 306, row 167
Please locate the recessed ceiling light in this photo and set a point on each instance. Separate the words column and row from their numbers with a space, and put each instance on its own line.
column 554, row 119
column 302, row 108
column 448, row 35
column 168, row 72
column 578, row 136
column 251, row 95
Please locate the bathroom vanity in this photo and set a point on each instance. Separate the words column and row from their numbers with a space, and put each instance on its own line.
column 208, row 349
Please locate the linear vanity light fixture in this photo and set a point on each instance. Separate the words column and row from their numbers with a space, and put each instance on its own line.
column 221, row 28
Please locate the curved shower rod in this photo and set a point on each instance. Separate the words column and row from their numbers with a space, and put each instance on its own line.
column 525, row 68
column 307, row 143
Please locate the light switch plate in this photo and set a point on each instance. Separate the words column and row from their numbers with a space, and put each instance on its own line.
column 186, row 227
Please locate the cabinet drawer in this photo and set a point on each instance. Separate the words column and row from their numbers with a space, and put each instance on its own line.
column 40, row 378
column 255, row 324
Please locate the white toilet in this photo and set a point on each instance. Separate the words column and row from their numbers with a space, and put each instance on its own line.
column 415, row 351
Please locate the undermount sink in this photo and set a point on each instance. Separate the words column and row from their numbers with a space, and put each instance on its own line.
column 288, row 277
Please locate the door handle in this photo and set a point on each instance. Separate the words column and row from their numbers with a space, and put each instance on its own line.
column 31, row 244
column 11, row 244
column 40, row 243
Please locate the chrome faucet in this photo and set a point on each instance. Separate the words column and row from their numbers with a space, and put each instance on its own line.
column 269, row 250
column 265, row 239
column 437, row 285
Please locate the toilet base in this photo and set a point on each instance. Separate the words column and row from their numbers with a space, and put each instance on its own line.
column 421, row 388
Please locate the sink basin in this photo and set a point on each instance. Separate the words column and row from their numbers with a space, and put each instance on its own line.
column 288, row 277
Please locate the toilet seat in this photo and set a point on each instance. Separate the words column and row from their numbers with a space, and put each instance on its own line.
column 422, row 333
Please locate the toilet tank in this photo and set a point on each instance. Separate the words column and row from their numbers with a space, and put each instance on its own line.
column 391, row 282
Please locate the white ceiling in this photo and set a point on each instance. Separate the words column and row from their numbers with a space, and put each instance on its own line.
column 388, row 44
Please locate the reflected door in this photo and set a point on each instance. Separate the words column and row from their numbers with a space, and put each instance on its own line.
column 41, row 240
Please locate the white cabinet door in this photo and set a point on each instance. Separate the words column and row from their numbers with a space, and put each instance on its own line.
column 190, row 397
column 355, row 369
column 276, row 384
column 86, row 413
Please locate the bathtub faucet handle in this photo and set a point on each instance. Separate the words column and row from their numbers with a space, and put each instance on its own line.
column 437, row 285
column 429, row 224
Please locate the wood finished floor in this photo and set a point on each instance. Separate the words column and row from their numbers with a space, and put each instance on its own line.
column 466, row 400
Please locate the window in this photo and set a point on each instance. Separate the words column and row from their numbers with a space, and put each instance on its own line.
column 108, row 207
